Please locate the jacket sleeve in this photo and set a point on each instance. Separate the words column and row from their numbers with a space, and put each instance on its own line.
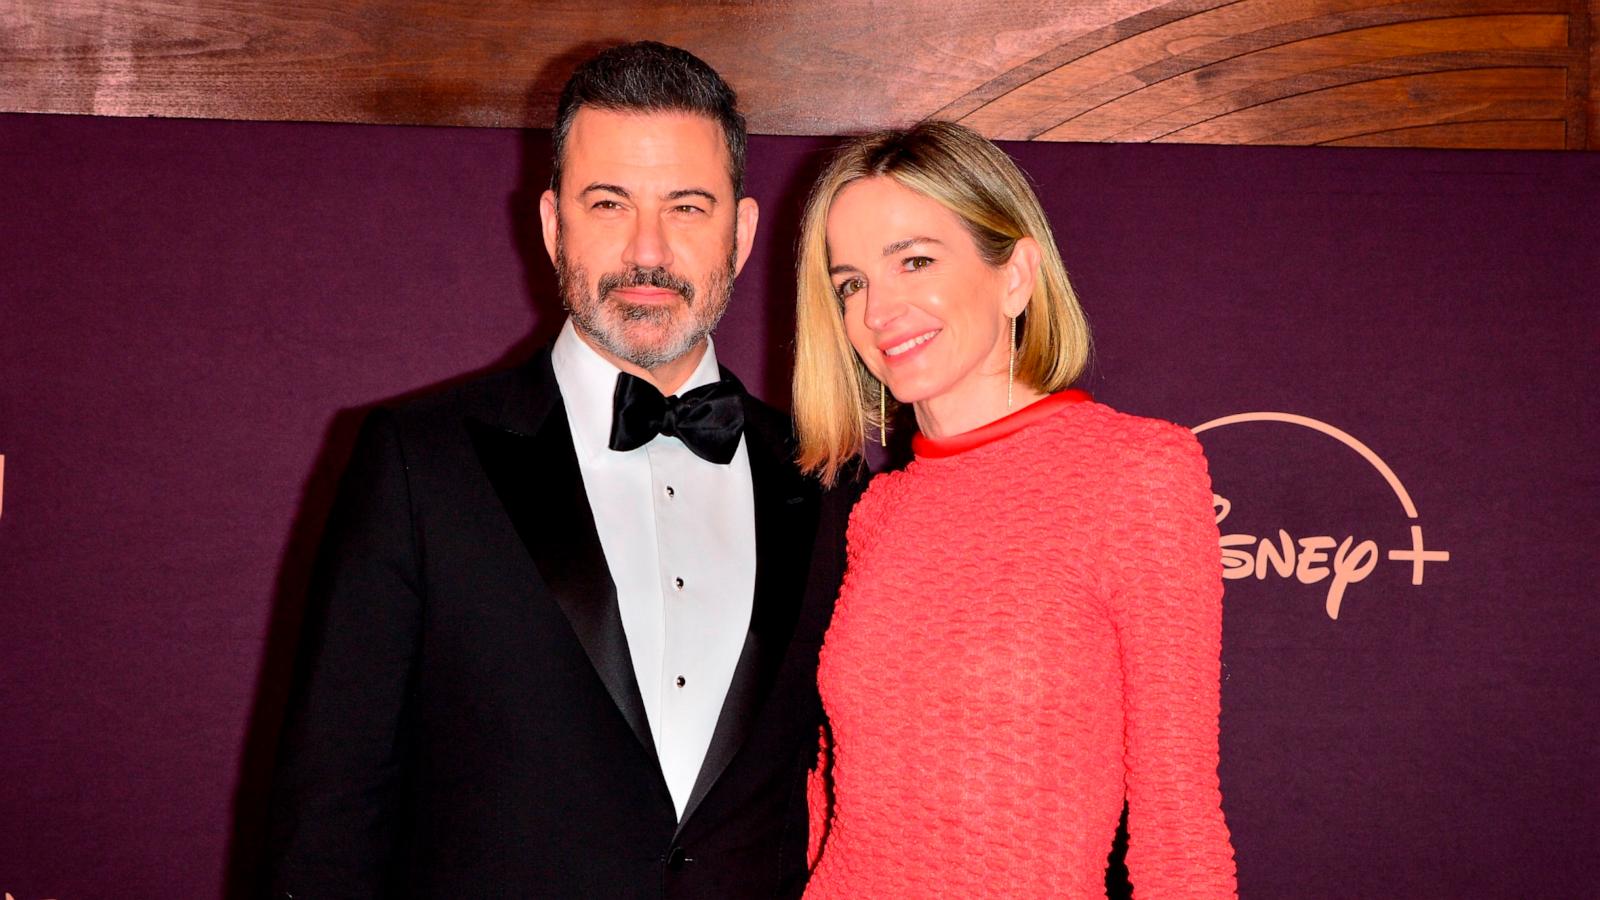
column 336, row 792
column 1167, row 607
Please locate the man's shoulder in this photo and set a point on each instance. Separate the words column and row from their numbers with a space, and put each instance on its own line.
column 767, row 417
column 472, row 394
column 776, row 429
column 491, row 398
column 772, row 430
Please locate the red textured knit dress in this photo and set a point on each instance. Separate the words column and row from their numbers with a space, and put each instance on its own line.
column 1029, row 630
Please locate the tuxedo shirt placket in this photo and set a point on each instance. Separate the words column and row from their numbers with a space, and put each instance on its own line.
column 678, row 534
column 705, row 551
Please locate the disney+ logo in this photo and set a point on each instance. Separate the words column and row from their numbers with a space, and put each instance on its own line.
column 1340, row 561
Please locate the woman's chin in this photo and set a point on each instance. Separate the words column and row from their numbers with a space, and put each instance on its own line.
column 907, row 397
column 918, row 390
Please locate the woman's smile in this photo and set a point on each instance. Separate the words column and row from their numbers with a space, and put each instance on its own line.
column 898, row 352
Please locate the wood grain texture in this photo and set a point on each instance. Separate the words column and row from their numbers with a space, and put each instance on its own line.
column 1254, row 71
column 1312, row 64
column 1386, row 104
column 1509, row 135
column 800, row 67
column 1588, row 93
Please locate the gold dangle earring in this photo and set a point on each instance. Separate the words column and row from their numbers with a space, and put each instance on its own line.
column 883, row 417
column 1011, row 375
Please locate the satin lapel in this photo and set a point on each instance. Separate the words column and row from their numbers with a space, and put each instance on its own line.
column 537, row 478
column 786, row 508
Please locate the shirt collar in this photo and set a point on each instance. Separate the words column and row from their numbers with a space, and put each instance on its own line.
column 588, row 381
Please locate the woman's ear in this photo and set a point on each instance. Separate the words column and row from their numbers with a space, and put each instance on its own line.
column 1021, row 274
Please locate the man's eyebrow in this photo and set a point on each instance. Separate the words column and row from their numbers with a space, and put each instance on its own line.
column 609, row 188
column 691, row 192
column 897, row 246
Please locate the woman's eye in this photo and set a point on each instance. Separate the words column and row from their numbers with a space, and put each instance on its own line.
column 913, row 263
column 847, row 287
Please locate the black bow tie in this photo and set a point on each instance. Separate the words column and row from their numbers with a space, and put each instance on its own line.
column 708, row 419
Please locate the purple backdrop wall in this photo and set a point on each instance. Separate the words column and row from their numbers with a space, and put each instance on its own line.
column 192, row 312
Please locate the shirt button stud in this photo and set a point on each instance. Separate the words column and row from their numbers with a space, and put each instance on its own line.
column 670, row 492
column 677, row 584
column 682, row 681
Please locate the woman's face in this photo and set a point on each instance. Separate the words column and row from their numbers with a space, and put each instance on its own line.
column 928, row 316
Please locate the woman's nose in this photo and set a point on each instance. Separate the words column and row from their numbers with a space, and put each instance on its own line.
column 884, row 305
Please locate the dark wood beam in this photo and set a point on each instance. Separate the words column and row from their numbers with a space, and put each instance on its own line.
column 1477, row 73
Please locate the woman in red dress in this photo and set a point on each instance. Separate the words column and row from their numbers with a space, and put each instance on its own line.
column 1029, row 632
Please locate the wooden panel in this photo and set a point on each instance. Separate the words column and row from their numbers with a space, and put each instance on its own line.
column 1529, row 135
column 1118, row 60
column 1181, row 72
column 1481, row 95
column 1147, row 113
column 1125, row 70
column 800, row 67
column 1588, row 87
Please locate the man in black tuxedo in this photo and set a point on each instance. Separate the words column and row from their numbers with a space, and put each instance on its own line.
column 564, row 628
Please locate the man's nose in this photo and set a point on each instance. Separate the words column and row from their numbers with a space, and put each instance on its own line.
column 648, row 248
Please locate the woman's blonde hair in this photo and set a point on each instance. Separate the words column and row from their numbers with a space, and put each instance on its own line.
column 835, row 397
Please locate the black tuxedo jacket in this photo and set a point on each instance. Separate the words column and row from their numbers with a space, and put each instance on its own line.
column 465, row 722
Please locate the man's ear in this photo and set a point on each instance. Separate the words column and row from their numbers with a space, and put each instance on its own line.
column 744, row 231
column 1021, row 274
column 549, row 222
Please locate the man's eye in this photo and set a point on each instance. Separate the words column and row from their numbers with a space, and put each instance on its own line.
column 848, row 286
column 913, row 263
column 606, row 204
column 689, row 209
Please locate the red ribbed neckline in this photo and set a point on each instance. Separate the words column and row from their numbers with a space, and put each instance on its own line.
column 935, row 448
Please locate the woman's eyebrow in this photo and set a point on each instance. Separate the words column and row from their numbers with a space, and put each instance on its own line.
column 897, row 246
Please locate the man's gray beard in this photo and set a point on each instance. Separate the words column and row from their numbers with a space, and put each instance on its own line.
column 588, row 315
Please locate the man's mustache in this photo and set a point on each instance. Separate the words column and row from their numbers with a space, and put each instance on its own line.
column 655, row 276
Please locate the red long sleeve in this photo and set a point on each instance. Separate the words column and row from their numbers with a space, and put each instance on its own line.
column 1029, row 632
column 1166, row 604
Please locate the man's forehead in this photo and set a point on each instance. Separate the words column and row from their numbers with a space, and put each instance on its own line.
column 657, row 146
